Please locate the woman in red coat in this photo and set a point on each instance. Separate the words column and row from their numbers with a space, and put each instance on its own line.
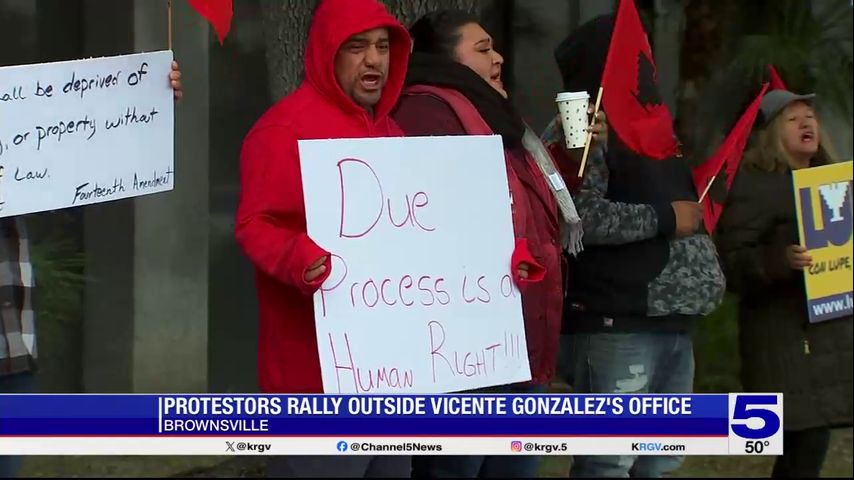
column 454, row 87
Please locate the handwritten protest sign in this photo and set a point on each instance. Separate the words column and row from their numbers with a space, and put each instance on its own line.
column 420, row 297
column 86, row 131
column 823, row 197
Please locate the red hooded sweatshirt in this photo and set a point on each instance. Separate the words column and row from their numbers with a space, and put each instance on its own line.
column 271, row 225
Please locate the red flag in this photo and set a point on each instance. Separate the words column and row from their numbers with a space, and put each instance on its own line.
column 776, row 81
column 218, row 13
column 723, row 165
column 630, row 88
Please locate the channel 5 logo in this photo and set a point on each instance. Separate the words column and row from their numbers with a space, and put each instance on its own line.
column 755, row 417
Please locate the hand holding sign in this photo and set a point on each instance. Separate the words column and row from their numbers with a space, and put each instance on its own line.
column 175, row 81
column 316, row 269
column 797, row 257
column 599, row 129
column 522, row 271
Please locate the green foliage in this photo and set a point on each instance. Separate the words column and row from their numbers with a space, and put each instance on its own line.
column 811, row 50
column 58, row 267
column 809, row 43
column 716, row 350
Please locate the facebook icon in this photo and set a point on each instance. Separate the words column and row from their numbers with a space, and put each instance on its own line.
column 342, row 446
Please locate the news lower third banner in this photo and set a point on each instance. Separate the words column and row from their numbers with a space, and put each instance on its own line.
column 720, row 424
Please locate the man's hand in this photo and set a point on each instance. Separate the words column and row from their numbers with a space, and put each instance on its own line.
column 316, row 269
column 797, row 257
column 688, row 217
column 175, row 81
column 599, row 127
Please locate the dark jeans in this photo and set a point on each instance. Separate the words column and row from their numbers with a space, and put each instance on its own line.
column 344, row 466
column 628, row 363
column 20, row 383
column 803, row 453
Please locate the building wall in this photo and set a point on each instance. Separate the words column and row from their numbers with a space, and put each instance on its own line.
column 146, row 318
column 171, row 238
column 538, row 27
column 238, row 97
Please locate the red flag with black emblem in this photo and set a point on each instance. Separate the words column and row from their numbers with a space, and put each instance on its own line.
column 722, row 166
column 218, row 13
column 776, row 81
column 630, row 90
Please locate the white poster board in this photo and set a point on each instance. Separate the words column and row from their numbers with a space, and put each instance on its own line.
column 420, row 297
column 85, row 131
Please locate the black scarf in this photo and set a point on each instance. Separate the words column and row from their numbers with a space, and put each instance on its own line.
column 497, row 111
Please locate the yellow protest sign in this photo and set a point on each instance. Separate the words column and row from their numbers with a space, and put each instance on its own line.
column 823, row 198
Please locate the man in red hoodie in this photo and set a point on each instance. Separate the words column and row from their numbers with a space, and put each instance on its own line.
column 355, row 63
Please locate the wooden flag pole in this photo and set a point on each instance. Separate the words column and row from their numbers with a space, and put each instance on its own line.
column 169, row 20
column 590, row 134
column 708, row 187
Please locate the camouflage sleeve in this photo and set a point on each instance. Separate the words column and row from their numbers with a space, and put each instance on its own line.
column 552, row 133
column 606, row 222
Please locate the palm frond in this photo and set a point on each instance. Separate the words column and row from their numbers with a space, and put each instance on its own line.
column 810, row 49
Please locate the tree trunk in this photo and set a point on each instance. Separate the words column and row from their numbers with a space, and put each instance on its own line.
column 286, row 29
column 408, row 11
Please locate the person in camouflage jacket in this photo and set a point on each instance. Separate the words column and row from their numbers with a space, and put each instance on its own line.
column 648, row 271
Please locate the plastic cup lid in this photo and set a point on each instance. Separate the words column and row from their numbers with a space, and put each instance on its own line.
column 570, row 96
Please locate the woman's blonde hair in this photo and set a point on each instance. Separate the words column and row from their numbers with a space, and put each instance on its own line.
column 769, row 155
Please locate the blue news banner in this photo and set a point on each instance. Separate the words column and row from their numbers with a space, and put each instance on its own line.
column 721, row 424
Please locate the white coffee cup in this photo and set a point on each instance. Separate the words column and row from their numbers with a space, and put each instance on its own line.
column 573, row 116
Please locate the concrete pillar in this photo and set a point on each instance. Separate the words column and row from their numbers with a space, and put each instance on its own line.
column 145, row 327
column 171, row 230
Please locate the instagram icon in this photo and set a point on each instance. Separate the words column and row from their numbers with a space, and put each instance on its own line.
column 516, row 446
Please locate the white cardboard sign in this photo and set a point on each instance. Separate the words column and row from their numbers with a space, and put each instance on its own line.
column 85, row 131
column 420, row 297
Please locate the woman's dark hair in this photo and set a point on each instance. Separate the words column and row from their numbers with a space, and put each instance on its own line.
column 439, row 32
